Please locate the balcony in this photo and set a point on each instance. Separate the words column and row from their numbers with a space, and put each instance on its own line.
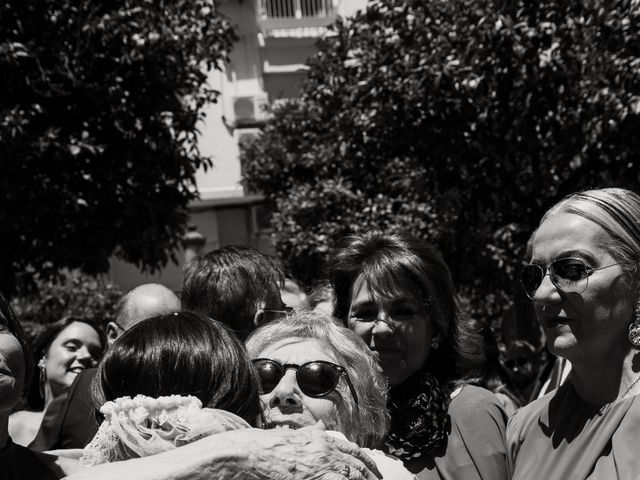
column 301, row 15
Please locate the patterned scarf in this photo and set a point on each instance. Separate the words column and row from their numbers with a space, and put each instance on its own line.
column 420, row 421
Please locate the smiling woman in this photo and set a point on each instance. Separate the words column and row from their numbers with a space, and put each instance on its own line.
column 62, row 350
column 584, row 282
column 396, row 293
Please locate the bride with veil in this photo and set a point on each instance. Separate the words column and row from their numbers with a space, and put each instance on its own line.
column 167, row 382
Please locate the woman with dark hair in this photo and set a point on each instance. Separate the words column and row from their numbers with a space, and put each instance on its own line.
column 63, row 349
column 171, row 366
column 584, row 281
column 396, row 293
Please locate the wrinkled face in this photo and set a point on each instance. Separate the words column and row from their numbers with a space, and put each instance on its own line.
column 76, row 348
column 11, row 370
column 585, row 326
column 398, row 329
column 287, row 406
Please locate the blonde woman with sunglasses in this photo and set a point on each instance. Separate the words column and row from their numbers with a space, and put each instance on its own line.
column 314, row 371
column 584, row 282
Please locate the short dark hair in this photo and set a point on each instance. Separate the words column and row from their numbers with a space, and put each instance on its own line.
column 229, row 283
column 395, row 264
column 181, row 353
column 43, row 341
column 9, row 320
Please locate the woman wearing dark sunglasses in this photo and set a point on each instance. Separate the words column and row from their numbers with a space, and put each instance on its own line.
column 396, row 293
column 584, row 282
column 313, row 370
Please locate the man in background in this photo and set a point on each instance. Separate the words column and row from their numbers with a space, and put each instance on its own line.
column 238, row 286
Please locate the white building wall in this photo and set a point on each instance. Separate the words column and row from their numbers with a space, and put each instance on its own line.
column 260, row 66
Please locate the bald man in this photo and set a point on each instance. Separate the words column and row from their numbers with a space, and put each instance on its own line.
column 69, row 421
column 142, row 302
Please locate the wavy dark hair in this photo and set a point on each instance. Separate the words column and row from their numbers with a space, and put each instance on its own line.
column 35, row 400
column 9, row 321
column 181, row 353
column 399, row 264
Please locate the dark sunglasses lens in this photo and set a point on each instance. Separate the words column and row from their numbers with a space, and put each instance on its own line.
column 570, row 270
column 269, row 373
column 531, row 277
column 317, row 379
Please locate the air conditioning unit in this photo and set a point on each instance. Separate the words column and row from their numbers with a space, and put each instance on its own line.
column 250, row 109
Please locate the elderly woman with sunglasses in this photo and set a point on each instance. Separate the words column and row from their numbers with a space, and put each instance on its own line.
column 313, row 370
column 584, row 282
column 396, row 293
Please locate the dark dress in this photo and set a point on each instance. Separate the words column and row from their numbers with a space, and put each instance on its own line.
column 69, row 421
column 20, row 463
column 476, row 446
column 561, row 437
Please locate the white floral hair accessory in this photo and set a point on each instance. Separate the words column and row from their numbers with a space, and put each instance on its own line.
column 144, row 426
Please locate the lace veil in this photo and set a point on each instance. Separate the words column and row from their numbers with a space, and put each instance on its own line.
column 144, row 426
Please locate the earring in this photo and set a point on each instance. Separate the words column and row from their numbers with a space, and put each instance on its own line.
column 436, row 340
column 634, row 329
column 43, row 376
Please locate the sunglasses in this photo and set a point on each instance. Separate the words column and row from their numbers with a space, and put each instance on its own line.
column 316, row 379
column 569, row 275
column 517, row 362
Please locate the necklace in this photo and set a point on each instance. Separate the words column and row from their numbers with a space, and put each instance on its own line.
column 624, row 395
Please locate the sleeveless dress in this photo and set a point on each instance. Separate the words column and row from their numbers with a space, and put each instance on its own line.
column 561, row 437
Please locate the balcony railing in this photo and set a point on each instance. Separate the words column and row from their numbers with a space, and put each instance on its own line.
column 276, row 14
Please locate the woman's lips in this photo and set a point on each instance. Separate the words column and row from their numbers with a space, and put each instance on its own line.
column 553, row 322
column 292, row 420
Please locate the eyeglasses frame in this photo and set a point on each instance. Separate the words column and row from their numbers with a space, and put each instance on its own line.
column 546, row 270
column 292, row 366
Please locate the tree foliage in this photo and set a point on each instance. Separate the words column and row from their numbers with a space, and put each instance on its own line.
column 71, row 294
column 98, row 123
column 460, row 121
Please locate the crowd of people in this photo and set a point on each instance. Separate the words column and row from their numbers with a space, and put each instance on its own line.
column 378, row 373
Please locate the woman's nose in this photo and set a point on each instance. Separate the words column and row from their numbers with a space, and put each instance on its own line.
column 546, row 292
column 382, row 327
column 83, row 355
column 286, row 393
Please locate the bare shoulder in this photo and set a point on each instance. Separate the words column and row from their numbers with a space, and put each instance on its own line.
column 24, row 425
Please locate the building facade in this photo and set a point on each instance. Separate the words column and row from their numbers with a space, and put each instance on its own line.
column 276, row 37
